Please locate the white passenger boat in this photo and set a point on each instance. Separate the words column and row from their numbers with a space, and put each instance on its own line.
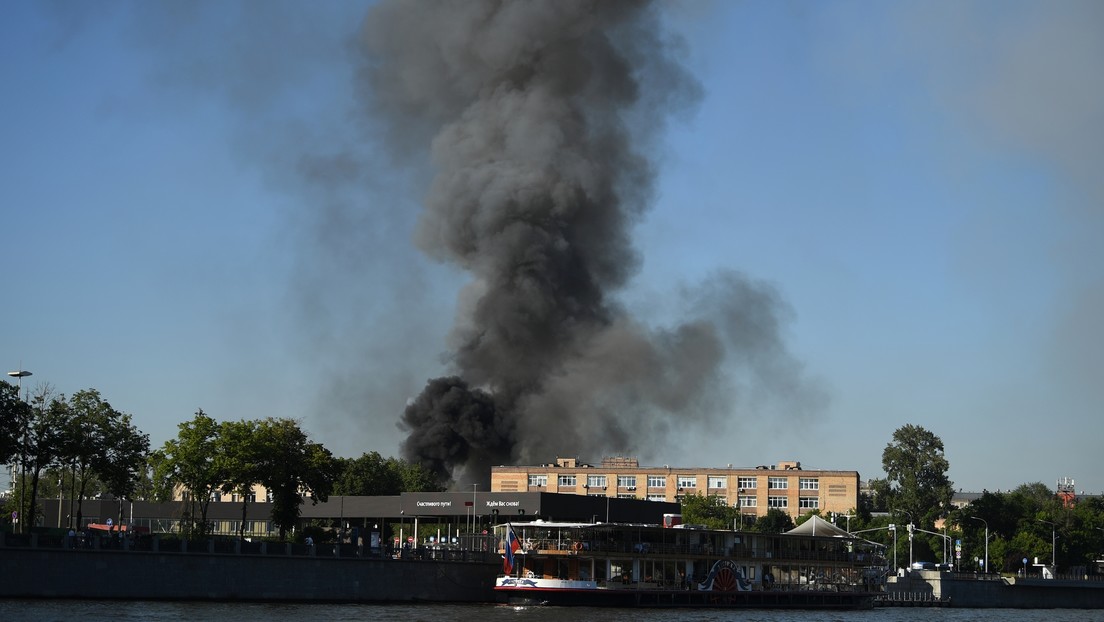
column 623, row 565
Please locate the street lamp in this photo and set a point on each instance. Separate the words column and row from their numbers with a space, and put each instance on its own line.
column 1053, row 546
column 910, row 527
column 986, row 566
column 19, row 376
column 893, row 528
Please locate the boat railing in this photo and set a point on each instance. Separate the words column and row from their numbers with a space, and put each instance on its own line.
column 569, row 547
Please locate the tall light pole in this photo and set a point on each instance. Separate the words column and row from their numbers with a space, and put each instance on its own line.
column 19, row 376
column 1053, row 546
column 986, row 565
column 893, row 528
column 910, row 527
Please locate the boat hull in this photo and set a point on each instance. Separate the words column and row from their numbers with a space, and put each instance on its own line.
column 530, row 592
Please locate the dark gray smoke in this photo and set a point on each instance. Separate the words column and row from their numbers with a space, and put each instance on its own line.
column 539, row 118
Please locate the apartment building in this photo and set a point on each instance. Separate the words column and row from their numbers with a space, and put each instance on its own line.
column 785, row 486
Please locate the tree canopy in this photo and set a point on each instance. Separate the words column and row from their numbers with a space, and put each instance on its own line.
column 709, row 510
column 293, row 467
column 916, row 483
column 372, row 474
column 190, row 461
column 13, row 413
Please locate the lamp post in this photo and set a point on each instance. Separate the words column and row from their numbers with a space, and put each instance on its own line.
column 986, row 565
column 893, row 528
column 1053, row 546
column 910, row 527
column 19, row 376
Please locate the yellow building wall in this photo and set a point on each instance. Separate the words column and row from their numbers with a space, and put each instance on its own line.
column 835, row 491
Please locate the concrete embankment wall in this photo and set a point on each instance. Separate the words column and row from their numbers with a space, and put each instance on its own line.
column 52, row 573
column 1003, row 592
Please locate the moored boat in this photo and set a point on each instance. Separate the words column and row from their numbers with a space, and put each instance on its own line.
column 624, row 565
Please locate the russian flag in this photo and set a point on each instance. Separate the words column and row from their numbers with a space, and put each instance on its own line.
column 512, row 545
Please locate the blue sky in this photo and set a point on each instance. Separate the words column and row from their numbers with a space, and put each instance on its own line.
column 195, row 216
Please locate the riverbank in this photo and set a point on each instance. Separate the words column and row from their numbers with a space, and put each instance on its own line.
column 963, row 590
column 269, row 574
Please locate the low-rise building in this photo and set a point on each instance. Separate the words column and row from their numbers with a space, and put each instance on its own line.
column 785, row 486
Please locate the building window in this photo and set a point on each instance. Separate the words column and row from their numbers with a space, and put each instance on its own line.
column 657, row 481
column 808, row 483
column 216, row 497
column 268, row 498
column 687, row 481
column 596, row 481
column 566, row 481
column 748, row 501
column 718, row 481
column 625, row 495
column 777, row 483
column 538, row 481
column 747, row 483
column 657, row 497
column 808, row 503
column 777, row 502
column 626, row 481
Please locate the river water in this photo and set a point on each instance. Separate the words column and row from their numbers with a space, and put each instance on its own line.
column 121, row 611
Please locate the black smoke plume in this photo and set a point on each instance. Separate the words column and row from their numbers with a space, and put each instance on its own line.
column 539, row 118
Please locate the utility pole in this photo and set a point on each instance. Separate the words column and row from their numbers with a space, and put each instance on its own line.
column 19, row 376
column 986, row 566
column 1053, row 546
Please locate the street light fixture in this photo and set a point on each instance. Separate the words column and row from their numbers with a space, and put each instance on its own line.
column 1053, row 546
column 19, row 376
column 986, row 566
column 909, row 528
column 893, row 528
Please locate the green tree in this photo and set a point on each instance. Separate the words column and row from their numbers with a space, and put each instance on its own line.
column 916, row 471
column 1020, row 526
column 124, row 457
column 371, row 474
column 293, row 466
column 13, row 412
column 189, row 461
column 42, row 443
column 709, row 510
column 774, row 521
column 415, row 477
column 160, row 477
column 368, row 475
column 15, row 417
column 85, row 444
column 240, row 459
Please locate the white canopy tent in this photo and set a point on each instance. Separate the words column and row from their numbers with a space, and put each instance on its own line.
column 817, row 526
